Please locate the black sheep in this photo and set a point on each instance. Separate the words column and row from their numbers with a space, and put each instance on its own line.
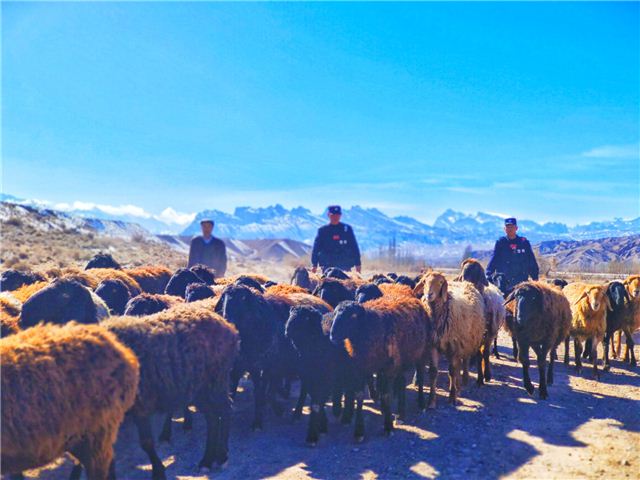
column 618, row 299
column 150, row 303
column 335, row 272
column 198, row 291
column 250, row 282
column 60, row 302
column 13, row 279
column 102, row 260
column 558, row 282
column 205, row 273
column 320, row 363
column 368, row 291
column 333, row 291
column 262, row 343
column 178, row 282
column 404, row 280
column 115, row 294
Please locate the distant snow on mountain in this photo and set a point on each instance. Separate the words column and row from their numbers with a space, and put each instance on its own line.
column 450, row 233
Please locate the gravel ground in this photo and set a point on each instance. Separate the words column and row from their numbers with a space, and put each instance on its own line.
column 587, row 429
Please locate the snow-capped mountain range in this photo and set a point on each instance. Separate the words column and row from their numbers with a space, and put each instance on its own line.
column 450, row 232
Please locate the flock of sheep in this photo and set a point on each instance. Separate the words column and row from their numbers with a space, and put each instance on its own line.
column 82, row 348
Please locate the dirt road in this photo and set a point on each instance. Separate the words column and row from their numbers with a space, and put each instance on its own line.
column 587, row 429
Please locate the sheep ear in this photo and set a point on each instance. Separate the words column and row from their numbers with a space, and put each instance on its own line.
column 418, row 290
column 510, row 298
column 443, row 290
column 584, row 295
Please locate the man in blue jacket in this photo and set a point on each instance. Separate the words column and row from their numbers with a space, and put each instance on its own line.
column 512, row 261
column 335, row 244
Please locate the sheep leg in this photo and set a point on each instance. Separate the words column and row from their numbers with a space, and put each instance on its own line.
column 336, row 402
column 324, row 423
column 566, row 351
column 259, row 393
column 479, row 357
column 619, row 349
column 401, row 390
column 188, row 419
column 20, row 476
column 454, row 379
column 524, row 360
column 433, row 377
column 541, row 352
column 515, row 348
column 594, row 356
column 371, row 385
column 302, row 396
column 487, row 362
column 420, row 383
column 495, row 348
column 165, row 434
column 347, row 413
column 96, row 455
column 588, row 347
column 286, row 390
column 465, row 371
column 552, row 359
column 385, row 403
column 630, row 355
column 577, row 345
column 145, row 436
column 213, row 427
column 607, row 339
column 76, row 473
column 359, row 429
column 236, row 375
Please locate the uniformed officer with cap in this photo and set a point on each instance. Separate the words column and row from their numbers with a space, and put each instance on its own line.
column 335, row 244
column 512, row 259
column 208, row 250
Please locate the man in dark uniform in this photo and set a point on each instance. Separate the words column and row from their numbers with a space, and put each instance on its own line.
column 208, row 250
column 513, row 260
column 335, row 244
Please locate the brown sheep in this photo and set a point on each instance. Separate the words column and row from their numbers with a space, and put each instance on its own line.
column 396, row 289
column 589, row 304
column 86, row 379
column 110, row 273
column 284, row 289
column 85, row 277
column 25, row 292
column 152, row 279
column 456, row 312
column 541, row 320
column 303, row 278
column 632, row 284
column 186, row 354
column 385, row 336
column 495, row 313
column 10, row 309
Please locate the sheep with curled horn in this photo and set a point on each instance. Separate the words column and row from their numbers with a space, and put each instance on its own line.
column 456, row 328
column 495, row 313
column 541, row 320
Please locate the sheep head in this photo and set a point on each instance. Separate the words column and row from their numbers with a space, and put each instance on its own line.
column 632, row 284
column 528, row 303
column 617, row 295
column 304, row 327
column 435, row 287
column 368, row 291
column 237, row 305
column 348, row 320
column 473, row 271
column 301, row 277
column 596, row 297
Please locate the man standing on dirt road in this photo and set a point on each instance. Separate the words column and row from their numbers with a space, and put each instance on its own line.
column 513, row 260
column 208, row 250
column 335, row 244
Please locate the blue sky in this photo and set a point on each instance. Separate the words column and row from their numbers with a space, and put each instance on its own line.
column 519, row 108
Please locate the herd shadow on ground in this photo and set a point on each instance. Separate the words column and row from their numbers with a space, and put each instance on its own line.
column 472, row 440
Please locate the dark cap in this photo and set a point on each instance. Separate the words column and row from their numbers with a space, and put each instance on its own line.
column 335, row 210
column 510, row 221
column 207, row 220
